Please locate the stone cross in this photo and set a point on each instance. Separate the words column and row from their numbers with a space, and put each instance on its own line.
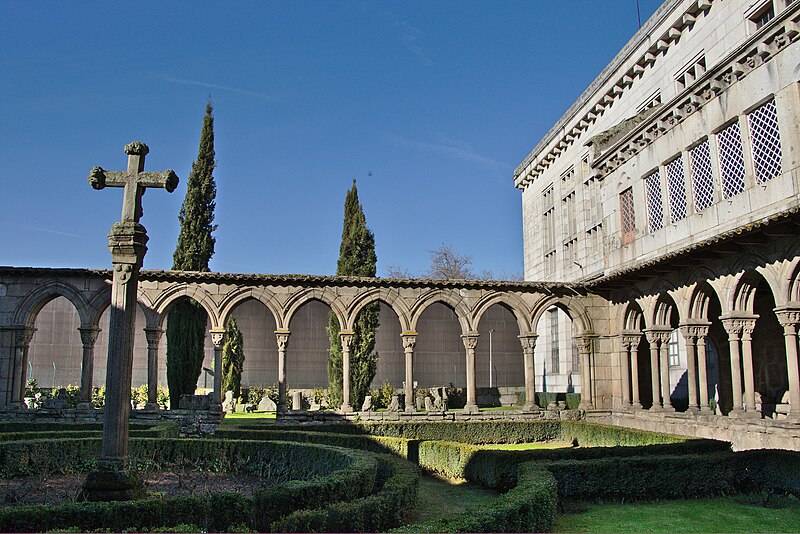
column 134, row 180
column 127, row 243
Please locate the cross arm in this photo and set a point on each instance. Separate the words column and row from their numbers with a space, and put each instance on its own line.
column 100, row 178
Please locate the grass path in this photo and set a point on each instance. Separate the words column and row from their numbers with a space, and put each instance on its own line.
column 738, row 513
column 438, row 498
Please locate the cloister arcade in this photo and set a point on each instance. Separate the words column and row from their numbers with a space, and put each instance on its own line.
column 410, row 307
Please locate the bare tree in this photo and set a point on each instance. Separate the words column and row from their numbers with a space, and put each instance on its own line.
column 447, row 264
column 398, row 271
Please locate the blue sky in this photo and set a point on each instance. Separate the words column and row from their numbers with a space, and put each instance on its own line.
column 429, row 105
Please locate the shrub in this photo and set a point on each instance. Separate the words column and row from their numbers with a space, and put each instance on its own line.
column 545, row 399
column 573, row 401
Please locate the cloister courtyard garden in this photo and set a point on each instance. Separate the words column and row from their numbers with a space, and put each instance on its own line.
column 258, row 474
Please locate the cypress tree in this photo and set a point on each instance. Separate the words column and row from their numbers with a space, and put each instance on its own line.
column 186, row 323
column 232, row 359
column 356, row 258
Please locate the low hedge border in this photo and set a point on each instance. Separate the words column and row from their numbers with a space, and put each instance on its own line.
column 165, row 431
column 529, row 507
column 52, row 426
column 378, row 444
column 332, row 474
column 387, row 508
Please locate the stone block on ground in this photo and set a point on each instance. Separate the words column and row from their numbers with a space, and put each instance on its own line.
column 227, row 404
column 367, row 406
column 266, row 405
column 394, row 405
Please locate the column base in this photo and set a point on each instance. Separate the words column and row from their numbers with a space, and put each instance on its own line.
column 110, row 484
column 635, row 407
column 668, row 409
column 706, row 410
column 751, row 414
column 410, row 409
column 585, row 406
column 694, row 410
column 656, row 408
column 346, row 408
column 530, row 408
column 85, row 407
column 736, row 413
column 471, row 409
column 152, row 407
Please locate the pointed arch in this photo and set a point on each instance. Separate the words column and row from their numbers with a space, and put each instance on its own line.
column 512, row 302
column 664, row 310
column 390, row 297
column 321, row 294
column 262, row 295
column 34, row 301
column 448, row 299
column 167, row 299
column 572, row 306
column 632, row 318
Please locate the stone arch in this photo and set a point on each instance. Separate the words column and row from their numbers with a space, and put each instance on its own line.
column 167, row 299
column 34, row 301
column 700, row 300
column 242, row 294
column 388, row 296
column 573, row 307
column 513, row 303
column 794, row 281
column 102, row 300
column 445, row 297
column 633, row 317
column 321, row 294
column 664, row 311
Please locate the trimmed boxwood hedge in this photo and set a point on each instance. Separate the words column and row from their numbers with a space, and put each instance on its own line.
column 329, row 475
column 388, row 507
column 529, row 507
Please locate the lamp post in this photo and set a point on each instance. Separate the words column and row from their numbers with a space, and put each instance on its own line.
column 491, row 331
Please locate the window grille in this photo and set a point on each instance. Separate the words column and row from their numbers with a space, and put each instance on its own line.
column 766, row 141
column 731, row 160
column 554, row 364
column 655, row 204
column 628, row 216
column 676, row 185
column 576, row 357
column 702, row 176
column 673, row 350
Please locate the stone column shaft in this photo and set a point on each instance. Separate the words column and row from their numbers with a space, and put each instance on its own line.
column 655, row 341
column 690, row 340
column 734, row 329
column 347, row 339
column 585, row 344
column 409, row 344
column 625, row 372
column 88, row 338
column 282, row 338
column 702, row 367
column 218, row 339
column 528, row 350
column 790, row 320
column 666, row 388
column 22, row 342
column 153, row 334
column 635, row 398
column 747, row 361
column 470, row 342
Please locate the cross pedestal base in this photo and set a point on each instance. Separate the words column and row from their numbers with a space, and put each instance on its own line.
column 107, row 483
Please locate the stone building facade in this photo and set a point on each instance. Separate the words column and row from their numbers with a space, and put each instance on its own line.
column 671, row 188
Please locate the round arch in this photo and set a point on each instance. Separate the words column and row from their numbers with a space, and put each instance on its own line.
column 448, row 299
column 664, row 310
column 101, row 300
column 633, row 317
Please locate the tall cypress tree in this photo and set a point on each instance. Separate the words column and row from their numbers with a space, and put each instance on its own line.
column 186, row 323
column 232, row 359
column 356, row 258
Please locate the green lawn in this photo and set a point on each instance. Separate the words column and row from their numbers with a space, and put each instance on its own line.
column 438, row 498
column 738, row 513
column 233, row 418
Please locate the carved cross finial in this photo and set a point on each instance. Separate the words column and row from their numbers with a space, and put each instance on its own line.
column 134, row 181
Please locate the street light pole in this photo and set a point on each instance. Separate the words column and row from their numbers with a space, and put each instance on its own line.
column 491, row 331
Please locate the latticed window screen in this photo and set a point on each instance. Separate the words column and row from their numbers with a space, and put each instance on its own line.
column 766, row 141
column 731, row 160
column 628, row 216
column 702, row 176
column 676, row 185
column 655, row 203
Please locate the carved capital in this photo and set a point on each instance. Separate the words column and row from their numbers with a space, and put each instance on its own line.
column 347, row 339
column 789, row 318
column 282, row 338
column 153, row 335
column 217, row 338
column 657, row 335
column 630, row 340
column 88, row 335
column 528, row 342
column 23, row 337
column 409, row 341
column 694, row 330
column 584, row 344
column 741, row 325
column 470, row 340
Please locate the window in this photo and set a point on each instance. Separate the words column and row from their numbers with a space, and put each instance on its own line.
column 576, row 358
column 569, row 252
column 761, row 17
column 568, row 175
column 650, row 102
column 702, row 176
column 766, row 141
column 550, row 262
column 549, row 221
column 655, row 203
column 594, row 240
column 627, row 215
column 731, row 160
column 676, row 186
column 673, row 350
column 691, row 72
column 568, row 204
column 552, row 315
